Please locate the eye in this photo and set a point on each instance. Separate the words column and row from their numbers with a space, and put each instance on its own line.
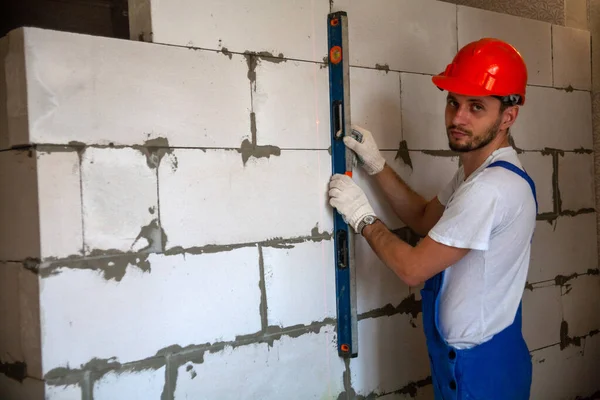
column 452, row 103
column 477, row 107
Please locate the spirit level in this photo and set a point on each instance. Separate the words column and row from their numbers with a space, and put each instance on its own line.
column 342, row 163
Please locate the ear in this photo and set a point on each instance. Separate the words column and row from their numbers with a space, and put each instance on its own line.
column 509, row 117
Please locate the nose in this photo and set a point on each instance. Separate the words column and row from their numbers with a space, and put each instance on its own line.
column 460, row 115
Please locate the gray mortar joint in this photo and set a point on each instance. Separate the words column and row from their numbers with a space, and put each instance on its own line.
column 172, row 358
column 250, row 148
column 113, row 263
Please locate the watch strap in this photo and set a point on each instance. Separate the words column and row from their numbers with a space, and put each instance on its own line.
column 367, row 220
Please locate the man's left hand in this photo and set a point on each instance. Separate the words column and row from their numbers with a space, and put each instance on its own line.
column 349, row 200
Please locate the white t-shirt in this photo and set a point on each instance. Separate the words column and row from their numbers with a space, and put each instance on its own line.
column 493, row 213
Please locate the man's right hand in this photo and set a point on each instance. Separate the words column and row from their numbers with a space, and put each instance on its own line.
column 367, row 151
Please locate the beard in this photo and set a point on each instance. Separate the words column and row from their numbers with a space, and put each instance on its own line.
column 475, row 142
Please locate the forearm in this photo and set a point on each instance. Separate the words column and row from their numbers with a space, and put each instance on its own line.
column 393, row 252
column 406, row 203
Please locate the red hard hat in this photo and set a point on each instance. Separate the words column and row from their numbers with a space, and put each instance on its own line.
column 486, row 67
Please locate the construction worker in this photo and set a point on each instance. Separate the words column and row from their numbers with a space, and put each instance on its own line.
column 474, row 254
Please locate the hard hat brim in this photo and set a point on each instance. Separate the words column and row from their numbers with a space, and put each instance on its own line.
column 459, row 86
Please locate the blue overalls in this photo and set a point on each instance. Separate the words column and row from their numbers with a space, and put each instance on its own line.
column 497, row 369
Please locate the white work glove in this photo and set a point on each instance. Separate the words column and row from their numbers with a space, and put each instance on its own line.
column 349, row 200
column 366, row 151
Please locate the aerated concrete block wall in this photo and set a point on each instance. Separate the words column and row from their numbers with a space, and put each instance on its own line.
column 166, row 233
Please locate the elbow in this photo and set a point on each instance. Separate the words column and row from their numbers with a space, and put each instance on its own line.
column 412, row 280
column 408, row 272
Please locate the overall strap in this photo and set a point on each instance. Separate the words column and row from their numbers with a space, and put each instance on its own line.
column 521, row 173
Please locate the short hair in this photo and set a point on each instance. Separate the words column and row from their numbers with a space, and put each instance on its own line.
column 508, row 101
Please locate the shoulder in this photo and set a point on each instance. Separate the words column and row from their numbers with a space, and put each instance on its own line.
column 507, row 182
column 509, row 190
column 471, row 215
column 493, row 184
column 476, row 193
column 506, row 171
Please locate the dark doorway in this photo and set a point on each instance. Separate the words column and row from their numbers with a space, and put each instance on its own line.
column 94, row 17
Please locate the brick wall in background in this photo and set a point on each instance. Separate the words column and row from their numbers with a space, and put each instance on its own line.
column 142, row 288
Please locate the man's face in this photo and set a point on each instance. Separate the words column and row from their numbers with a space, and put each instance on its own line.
column 471, row 122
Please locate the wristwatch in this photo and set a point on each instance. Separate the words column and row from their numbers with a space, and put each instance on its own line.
column 368, row 220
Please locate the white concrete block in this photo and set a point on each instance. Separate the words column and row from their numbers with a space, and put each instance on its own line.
column 580, row 305
column 404, row 35
column 119, row 200
column 281, row 196
column 303, row 367
column 423, row 110
column 3, row 94
column 295, row 28
column 540, row 167
column 565, row 374
column 532, row 38
column 571, row 57
column 10, row 325
column 542, row 316
column 566, row 246
column 63, row 392
column 20, row 318
column 576, row 181
column 291, row 103
column 140, row 385
column 19, row 230
column 300, row 283
column 547, row 114
column 376, row 285
column 197, row 298
column 375, row 105
column 140, row 19
column 392, row 354
column 429, row 173
column 15, row 72
column 101, row 90
column 590, row 375
column 553, row 374
column 41, row 207
column 59, row 188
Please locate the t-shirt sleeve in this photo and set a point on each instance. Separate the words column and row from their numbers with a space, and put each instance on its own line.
column 469, row 218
